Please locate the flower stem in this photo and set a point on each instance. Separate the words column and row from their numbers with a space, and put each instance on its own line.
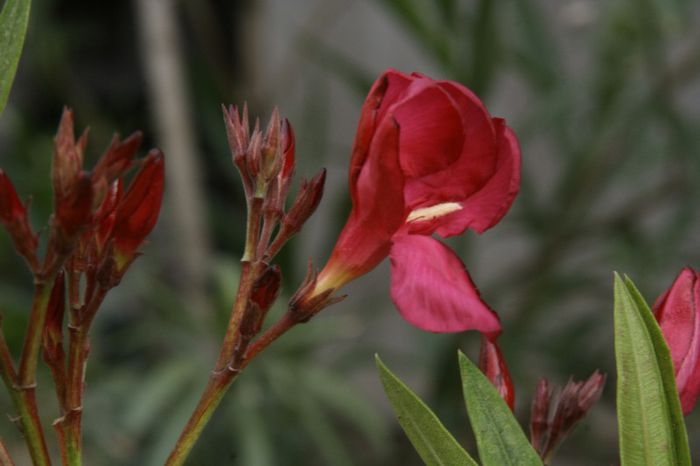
column 22, row 388
column 70, row 425
column 216, row 388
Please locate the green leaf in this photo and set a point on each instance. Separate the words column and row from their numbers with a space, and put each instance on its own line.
column 14, row 18
column 650, row 423
column 499, row 438
column 435, row 445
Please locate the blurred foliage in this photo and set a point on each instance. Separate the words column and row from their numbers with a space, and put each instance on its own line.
column 599, row 93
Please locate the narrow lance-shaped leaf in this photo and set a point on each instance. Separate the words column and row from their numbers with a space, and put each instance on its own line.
column 14, row 18
column 499, row 437
column 435, row 445
column 651, row 426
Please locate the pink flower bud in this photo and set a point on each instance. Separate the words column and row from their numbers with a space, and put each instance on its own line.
column 493, row 365
column 677, row 312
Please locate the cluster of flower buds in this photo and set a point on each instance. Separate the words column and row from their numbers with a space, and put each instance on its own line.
column 98, row 226
column 95, row 226
column 265, row 161
column 551, row 423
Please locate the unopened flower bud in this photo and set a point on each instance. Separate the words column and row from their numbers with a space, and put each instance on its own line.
column 74, row 209
column 67, row 157
column 14, row 217
column 138, row 211
column 574, row 402
column 306, row 202
column 271, row 149
column 264, row 294
column 284, row 179
column 106, row 215
column 116, row 161
column 493, row 365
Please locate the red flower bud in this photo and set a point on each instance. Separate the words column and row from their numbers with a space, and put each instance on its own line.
column 678, row 314
column 106, row 215
column 288, row 149
column 14, row 217
column 305, row 204
column 137, row 213
column 267, row 288
column 264, row 294
column 493, row 365
column 74, row 209
column 428, row 158
column 116, row 161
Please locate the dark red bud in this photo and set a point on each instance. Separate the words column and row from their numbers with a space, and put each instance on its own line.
column 137, row 213
column 74, row 210
column 539, row 414
column 267, row 288
column 265, row 292
column 11, row 208
column 115, row 162
column 106, row 214
column 306, row 202
column 14, row 217
column 288, row 149
column 493, row 365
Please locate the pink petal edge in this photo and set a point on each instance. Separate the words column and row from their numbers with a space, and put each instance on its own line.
column 432, row 290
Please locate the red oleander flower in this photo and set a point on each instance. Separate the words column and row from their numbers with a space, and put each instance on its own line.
column 677, row 313
column 428, row 158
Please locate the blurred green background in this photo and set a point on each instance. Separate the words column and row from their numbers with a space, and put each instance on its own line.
column 604, row 96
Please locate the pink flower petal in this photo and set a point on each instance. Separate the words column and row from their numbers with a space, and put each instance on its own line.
column 677, row 314
column 486, row 208
column 384, row 93
column 468, row 172
column 432, row 134
column 433, row 291
column 377, row 213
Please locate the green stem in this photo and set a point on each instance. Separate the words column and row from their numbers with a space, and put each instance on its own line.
column 219, row 383
column 23, row 389
column 78, row 349
column 24, row 401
